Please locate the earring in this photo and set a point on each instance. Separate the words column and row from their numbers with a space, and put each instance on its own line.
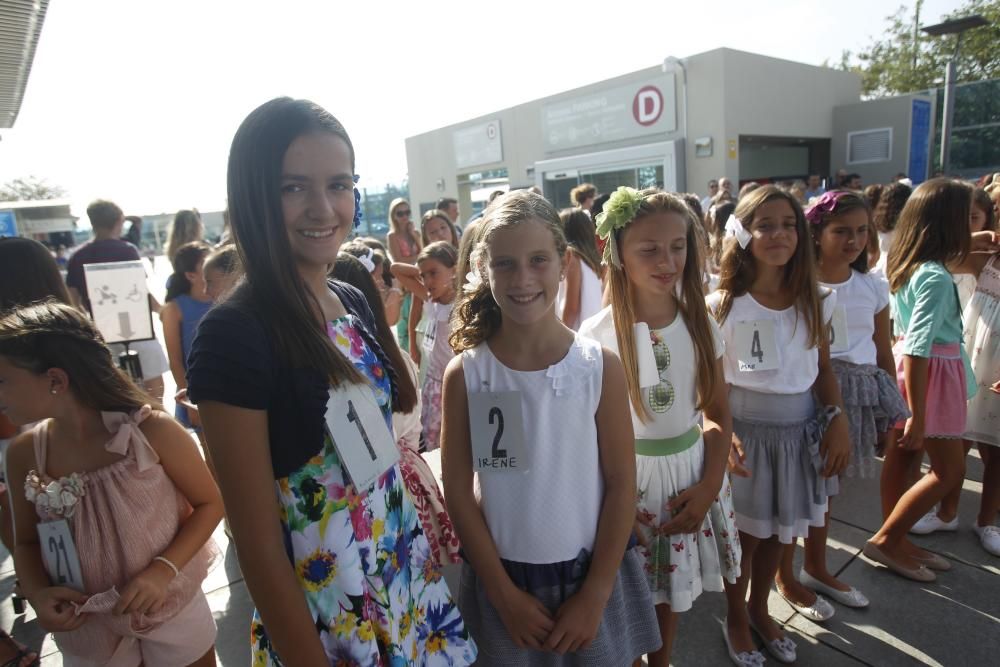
column 53, row 391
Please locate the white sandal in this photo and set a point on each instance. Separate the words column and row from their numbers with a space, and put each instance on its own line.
column 852, row 598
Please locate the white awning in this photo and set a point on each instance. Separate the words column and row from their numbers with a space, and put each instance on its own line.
column 20, row 26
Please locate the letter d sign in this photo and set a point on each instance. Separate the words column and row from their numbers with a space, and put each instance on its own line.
column 647, row 106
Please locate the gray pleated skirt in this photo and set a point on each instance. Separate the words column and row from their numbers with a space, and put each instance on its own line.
column 785, row 493
column 873, row 404
column 628, row 630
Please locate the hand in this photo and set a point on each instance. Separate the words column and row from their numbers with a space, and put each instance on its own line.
column 693, row 503
column 54, row 609
column 194, row 417
column 577, row 621
column 913, row 435
column 737, row 459
column 995, row 387
column 527, row 620
column 642, row 519
column 835, row 448
column 182, row 398
column 146, row 592
column 985, row 241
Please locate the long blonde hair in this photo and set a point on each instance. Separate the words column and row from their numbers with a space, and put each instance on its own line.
column 477, row 315
column 690, row 304
column 739, row 269
column 185, row 228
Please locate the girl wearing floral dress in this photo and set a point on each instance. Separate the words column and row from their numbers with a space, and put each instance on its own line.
column 296, row 399
column 672, row 353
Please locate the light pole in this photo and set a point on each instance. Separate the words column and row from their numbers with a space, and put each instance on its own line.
column 954, row 27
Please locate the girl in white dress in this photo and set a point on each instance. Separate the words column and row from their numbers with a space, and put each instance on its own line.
column 672, row 352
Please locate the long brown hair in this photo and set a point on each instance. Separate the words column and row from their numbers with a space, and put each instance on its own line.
column 54, row 335
column 933, row 227
column 477, row 315
column 581, row 235
column 690, row 304
column 890, row 205
column 440, row 215
column 350, row 270
column 739, row 269
column 272, row 287
column 28, row 273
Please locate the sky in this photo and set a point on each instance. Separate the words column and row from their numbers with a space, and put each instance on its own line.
column 138, row 101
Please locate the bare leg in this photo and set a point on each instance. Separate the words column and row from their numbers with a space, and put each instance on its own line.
column 948, row 508
column 900, row 469
column 667, row 620
column 765, row 567
column 737, row 618
column 990, row 504
column 786, row 580
column 815, row 556
column 947, row 469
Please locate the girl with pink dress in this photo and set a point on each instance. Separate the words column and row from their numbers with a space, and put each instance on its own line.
column 114, row 520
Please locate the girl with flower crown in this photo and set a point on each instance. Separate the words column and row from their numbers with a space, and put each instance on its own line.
column 114, row 517
column 787, row 423
column 671, row 349
column 539, row 469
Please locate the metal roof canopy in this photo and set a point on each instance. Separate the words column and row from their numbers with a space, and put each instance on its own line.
column 955, row 25
column 20, row 26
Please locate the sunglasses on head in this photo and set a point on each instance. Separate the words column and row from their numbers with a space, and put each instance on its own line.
column 405, row 213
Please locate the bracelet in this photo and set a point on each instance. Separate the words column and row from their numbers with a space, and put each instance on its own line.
column 166, row 561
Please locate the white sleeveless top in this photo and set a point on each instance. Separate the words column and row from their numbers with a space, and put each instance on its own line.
column 549, row 513
column 591, row 295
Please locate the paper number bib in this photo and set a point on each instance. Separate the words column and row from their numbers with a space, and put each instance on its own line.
column 363, row 440
column 497, row 427
column 839, row 340
column 756, row 348
column 59, row 553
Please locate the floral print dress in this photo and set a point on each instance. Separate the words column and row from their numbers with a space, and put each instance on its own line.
column 362, row 560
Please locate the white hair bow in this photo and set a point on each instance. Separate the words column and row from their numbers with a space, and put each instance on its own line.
column 368, row 260
column 735, row 228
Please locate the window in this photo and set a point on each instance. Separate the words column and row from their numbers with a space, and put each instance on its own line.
column 869, row 146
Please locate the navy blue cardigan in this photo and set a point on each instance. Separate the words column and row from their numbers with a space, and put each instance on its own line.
column 234, row 361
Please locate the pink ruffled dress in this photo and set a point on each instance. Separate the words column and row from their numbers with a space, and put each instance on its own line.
column 121, row 517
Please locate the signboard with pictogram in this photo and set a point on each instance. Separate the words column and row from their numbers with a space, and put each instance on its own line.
column 119, row 300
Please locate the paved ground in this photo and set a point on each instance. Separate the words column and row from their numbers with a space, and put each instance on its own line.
column 954, row 621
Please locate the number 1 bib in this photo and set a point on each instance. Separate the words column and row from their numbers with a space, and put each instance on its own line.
column 756, row 348
column 364, row 442
column 497, row 427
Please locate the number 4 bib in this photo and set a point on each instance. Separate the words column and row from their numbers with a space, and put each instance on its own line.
column 497, row 428
column 363, row 440
column 756, row 348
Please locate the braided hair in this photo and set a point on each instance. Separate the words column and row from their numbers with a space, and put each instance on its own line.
column 50, row 334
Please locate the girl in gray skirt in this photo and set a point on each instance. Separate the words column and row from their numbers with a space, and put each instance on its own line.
column 539, row 462
column 787, row 424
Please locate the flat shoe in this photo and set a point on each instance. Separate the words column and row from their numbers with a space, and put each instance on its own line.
column 852, row 598
column 934, row 562
column 818, row 611
column 921, row 573
column 931, row 523
column 752, row 658
column 781, row 649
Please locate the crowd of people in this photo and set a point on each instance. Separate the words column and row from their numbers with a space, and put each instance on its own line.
column 637, row 399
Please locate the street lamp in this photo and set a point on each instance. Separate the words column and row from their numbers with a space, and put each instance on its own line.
column 953, row 27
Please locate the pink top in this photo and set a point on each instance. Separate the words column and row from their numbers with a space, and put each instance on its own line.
column 121, row 517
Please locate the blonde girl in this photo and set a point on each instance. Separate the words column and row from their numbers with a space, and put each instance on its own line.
column 672, row 352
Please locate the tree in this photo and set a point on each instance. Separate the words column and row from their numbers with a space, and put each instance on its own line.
column 906, row 60
column 30, row 188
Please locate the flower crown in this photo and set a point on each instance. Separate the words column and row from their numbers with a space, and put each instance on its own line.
column 620, row 209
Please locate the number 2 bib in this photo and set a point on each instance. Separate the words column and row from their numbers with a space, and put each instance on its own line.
column 497, row 427
column 756, row 348
column 364, row 442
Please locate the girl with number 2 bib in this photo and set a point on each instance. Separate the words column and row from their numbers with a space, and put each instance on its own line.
column 536, row 417
column 775, row 319
column 671, row 349
column 122, row 500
